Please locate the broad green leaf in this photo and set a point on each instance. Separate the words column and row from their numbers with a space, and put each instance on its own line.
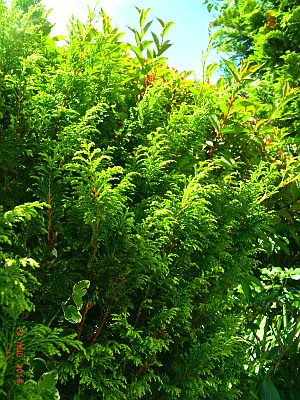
column 80, row 28
column 263, row 329
column 246, row 103
column 295, row 207
column 143, row 15
column 269, row 391
column 295, row 191
column 71, row 314
column 79, row 291
column 215, row 122
column 292, row 95
column 246, row 289
column 156, row 40
column 136, row 35
column 168, row 25
column 294, row 333
column 273, row 352
column 240, row 104
column 145, row 44
column 137, row 38
column 48, row 380
column 232, row 69
column 163, row 48
column 244, row 119
column 223, row 107
column 282, row 245
column 250, row 71
column 39, row 367
column 284, row 213
column 150, row 54
column 58, row 37
column 138, row 54
column 253, row 279
column 220, row 83
column 30, row 383
column 161, row 22
column 295, row 274
column 81, row 285
column 46, row 385
column 162, row 71
column 146, row 27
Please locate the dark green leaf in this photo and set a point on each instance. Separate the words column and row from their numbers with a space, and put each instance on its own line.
column 255, row 280
column 156, row 40
column 246, row 289
column 161, row 22
column 146, row 27
column 163, row 48
column 252, row 326
column 269, row 391
column 273, row 352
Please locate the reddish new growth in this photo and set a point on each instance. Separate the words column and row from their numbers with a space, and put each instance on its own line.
column 271, row 24
column 149, row 79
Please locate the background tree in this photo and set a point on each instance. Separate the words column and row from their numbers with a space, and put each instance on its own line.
column 267, row 34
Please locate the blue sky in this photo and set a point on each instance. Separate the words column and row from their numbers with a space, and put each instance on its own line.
column 189, row 35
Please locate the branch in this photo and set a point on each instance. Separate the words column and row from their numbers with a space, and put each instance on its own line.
column 101, row 326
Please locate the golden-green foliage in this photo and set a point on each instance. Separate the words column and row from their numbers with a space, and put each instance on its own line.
column 138, row 211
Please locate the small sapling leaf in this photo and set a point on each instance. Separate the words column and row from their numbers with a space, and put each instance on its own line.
column 71, row 314
column 79, row 291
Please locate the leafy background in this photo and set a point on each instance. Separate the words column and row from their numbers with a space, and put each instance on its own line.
column 149, row 222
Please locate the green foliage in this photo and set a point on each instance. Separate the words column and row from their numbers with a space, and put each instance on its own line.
column 147, row 221
column 267, row 33
column 271, row 308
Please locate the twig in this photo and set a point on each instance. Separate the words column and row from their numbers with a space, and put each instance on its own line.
column 101, row 326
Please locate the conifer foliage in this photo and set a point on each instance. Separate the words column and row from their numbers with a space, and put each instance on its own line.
column 137, row 211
